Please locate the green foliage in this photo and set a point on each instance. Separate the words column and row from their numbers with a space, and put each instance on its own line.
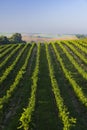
column 4, row 40
column 11, row 67
column 80, row 36
column 76, row 87
column 63, row 111
column 15, row 38
column 73, row 61
column 9, row 56
column 79, row 44
column 25, row 118
column 76, row 51
column 19, row 76
column 5, row 52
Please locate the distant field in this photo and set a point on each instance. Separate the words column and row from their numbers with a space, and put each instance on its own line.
column 28, row 37
column 43, row 86
column 47, row 37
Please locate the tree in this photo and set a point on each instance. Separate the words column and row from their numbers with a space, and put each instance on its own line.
column 4, row 40
column 16, row 38
column 81, row 36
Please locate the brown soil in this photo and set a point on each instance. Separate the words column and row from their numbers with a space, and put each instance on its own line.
column 37, row 39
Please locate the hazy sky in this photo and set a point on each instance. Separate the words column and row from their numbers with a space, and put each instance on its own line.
column 43, row 16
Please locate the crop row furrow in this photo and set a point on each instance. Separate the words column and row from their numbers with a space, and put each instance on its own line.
column 26, row 116
column 4, row 47
column 63, row 111
column 83, row 43
column 80, row 48
column 5, row 99
column 11, row 67
column 77, row 89
column 9, row 56
column 7, row 51
column 77, row 57
column 73, row 61
column 76, row 52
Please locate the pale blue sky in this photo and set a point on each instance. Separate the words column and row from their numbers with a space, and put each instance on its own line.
column 43, row 16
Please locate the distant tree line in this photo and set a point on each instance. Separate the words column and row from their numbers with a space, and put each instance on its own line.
column 15, row 38
column 81, row 36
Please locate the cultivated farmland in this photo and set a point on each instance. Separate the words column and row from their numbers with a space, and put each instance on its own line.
column 43, row 86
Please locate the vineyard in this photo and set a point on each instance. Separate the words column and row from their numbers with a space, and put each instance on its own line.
column 43, row 86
